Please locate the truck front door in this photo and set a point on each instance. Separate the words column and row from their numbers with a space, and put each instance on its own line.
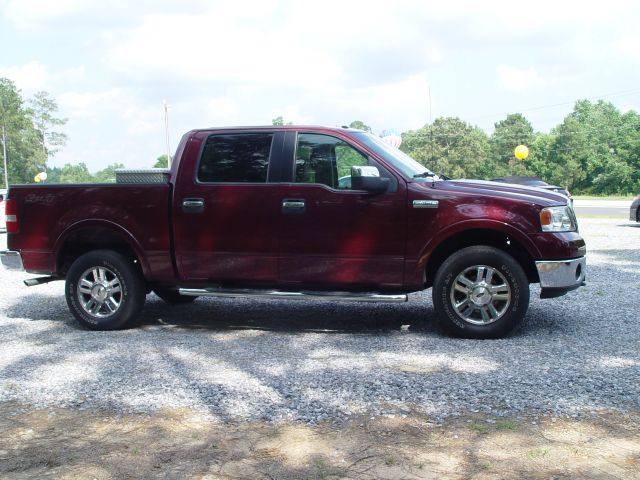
column 332, row 236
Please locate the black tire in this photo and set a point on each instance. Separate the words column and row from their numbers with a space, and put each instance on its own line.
column 107, row 274
column 480, row 308
column 172, row 296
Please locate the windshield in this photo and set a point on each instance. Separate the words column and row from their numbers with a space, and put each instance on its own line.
column 400, row 160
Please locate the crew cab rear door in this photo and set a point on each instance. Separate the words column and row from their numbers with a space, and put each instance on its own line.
column 332, row 236
column 225, row 211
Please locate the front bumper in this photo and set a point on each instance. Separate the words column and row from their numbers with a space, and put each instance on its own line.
column 11, row 260
column 560, row 277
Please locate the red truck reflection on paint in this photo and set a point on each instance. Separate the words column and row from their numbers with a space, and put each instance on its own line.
column 296, row 212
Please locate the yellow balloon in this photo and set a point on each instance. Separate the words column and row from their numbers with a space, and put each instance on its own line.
column 36, row 179
column 521, row 152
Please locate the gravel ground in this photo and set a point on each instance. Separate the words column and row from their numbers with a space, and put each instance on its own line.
column 313, row 361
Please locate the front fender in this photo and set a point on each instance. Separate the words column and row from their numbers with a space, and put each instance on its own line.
column 478, row 224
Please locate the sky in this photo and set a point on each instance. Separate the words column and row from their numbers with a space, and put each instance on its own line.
column 110, row 65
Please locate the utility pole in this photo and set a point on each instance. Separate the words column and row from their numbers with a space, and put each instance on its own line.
column 166, row 131
column 431, row 129
column 4, row 158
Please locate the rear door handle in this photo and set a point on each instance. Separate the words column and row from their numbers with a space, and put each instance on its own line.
column 293, row 205
column 193, row 205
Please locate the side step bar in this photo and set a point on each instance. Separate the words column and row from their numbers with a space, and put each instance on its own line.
column 279, row 294
column 32, row 282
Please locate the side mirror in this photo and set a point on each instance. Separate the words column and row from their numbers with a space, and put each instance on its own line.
column 368, row 179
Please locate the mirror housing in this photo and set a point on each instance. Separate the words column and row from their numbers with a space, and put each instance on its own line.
column 368, row 179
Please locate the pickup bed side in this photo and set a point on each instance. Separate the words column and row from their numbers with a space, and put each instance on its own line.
column 60, row 222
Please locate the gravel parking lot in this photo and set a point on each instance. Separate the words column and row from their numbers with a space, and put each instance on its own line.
column 313, row 362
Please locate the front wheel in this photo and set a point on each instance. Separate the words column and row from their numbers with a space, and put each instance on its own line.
column 104, row 290
column 480, row 292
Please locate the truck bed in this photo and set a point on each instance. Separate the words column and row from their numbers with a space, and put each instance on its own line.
column 55, row 217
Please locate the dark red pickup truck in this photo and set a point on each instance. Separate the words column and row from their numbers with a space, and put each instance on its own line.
column 296, row 212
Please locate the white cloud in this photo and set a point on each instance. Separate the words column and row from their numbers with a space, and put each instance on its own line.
column 34, row 76
column 519, row 80
column 116, row 105
column 93, row 104
column 629, row 45
column 234, row 63
column 210, row 47
column 30, row 77
column 29, row 14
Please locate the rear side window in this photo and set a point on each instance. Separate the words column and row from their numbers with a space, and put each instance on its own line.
column 235, row 158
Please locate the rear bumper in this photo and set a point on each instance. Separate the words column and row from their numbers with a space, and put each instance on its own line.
column 11, row 260
column 560, row 277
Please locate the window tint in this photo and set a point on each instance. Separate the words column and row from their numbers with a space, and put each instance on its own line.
column 327, row 160
column 240, row 157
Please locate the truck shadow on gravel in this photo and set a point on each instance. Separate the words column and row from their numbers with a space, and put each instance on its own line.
column 288, row 316
column 238, row 314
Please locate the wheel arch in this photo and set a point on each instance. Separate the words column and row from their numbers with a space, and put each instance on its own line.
column 500, row 236
column 88, row 235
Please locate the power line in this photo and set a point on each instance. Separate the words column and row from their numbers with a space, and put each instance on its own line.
column 621, row 93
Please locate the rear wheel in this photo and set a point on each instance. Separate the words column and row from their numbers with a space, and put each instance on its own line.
column 480, row 292
column 172, row 296
column 104, row 290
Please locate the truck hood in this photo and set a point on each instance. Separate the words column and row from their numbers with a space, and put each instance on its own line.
column 538, row 196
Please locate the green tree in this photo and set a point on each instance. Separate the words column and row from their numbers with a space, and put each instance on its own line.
column 42, row 109
column 279, row 121
column 451, row 147
column 78, row 173
column 507, row 135
column 107, row 175
column 360, row 126
column 20, row 140
column 161, row 162
column 53, row 174
column 596, row 149
column 539, row 161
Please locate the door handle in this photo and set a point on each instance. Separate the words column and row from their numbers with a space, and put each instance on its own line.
column 293, row 205
column 193, row 205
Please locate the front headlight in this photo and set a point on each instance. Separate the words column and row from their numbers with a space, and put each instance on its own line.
column 557, row 219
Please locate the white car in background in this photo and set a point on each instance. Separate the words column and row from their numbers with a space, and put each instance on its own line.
column 3, row 224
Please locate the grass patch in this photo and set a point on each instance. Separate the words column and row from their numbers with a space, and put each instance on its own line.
column 486, row 465
column 602, row 215
column 479, row 427
column 507, row 425
column 538, row 453
column 605, row 197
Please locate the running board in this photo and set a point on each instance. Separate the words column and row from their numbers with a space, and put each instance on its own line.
column 279, row 294
column 32, row 282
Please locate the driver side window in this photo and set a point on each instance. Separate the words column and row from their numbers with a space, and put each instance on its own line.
column 326, row 160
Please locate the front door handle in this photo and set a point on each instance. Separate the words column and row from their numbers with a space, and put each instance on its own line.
column 293, row 205
column 193, row 205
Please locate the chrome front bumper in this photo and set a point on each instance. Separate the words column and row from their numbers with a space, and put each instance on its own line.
column 11, row 260
column 562, row 275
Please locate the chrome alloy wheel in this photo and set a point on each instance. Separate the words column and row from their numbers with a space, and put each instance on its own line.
column 99, row 292
column 480, row 295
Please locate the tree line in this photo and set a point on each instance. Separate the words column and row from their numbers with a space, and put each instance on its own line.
column 594, row 150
